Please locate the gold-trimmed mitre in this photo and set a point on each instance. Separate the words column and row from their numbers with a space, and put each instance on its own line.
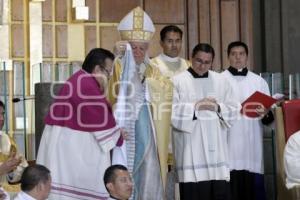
column 136, row 26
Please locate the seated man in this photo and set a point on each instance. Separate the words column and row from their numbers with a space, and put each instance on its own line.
column 35, row 183
column 292, row 160
column 5, row 167
column 118, row 182
column 12, row 163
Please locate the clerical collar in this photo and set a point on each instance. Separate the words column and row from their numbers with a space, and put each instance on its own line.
column 168, row 58
column 236, row 72
column 195, row 75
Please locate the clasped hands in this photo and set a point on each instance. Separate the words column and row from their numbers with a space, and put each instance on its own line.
column 10, row 164
column 207, row 103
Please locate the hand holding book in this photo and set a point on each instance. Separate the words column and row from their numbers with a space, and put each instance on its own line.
column 251, row 107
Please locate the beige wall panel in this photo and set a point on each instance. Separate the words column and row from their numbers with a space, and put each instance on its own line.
column 90, row 38
column 76, row 50
column 230, row 26
column 47, row 41
column 166, row 11
column 4, row 41
column 17, row 40
column 204, row 21
column 35, row 36
column 47, row 10
column 247, row 28
column 115, row 10
column 108, row 37
column 17, row 10
column 215, row 33
column 92, row 9
column 5, row 11
column 61, row 11
column 155, row 47
column 193, row 29
column 61, row 41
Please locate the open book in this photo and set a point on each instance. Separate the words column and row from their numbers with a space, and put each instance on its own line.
column 256, row 100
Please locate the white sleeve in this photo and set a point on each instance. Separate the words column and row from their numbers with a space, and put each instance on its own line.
column 230, row 107
column 107, row 139
column 182, row 113
column 265, row 87
column 15, row 175
column 7, row 197
column 292, row 161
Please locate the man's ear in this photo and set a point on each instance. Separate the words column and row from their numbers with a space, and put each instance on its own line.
column 39, row 187
column 110, row 186
column 161, row 43
column 96, row 69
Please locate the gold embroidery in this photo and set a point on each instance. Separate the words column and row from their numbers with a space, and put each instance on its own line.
column 138, row 33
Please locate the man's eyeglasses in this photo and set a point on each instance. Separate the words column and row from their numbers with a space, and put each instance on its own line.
column 203, row 62
column 106, row 71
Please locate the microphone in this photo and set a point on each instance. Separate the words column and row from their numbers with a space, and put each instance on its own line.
column 16, row 100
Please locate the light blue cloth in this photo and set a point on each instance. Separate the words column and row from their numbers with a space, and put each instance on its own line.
column 146, row 171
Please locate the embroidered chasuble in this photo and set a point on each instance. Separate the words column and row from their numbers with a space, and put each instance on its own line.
column 168, row 68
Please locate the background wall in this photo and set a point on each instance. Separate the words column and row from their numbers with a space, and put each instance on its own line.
column 276, row 36
column 220, row 22
column 276, row 47
column 269, row 27
column 64, row 40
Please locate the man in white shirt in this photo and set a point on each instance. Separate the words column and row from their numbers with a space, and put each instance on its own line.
column 35, row 183
column 246, row 135
column 203, row 107
column 12, row 163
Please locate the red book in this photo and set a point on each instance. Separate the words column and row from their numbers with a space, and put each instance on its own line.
column 256, row 100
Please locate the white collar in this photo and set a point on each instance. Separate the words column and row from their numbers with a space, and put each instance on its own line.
column 168, row 58
column 241, row 69
column 24, row 196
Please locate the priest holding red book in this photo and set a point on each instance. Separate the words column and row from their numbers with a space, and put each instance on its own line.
column 246, row 135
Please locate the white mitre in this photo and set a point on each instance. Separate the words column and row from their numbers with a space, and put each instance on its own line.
column 136, row 26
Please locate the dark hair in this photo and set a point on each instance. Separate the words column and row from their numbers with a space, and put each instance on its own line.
column 205, row 48
column 170, row 28
column 95, row 57
column 237, row 44
column 2, row 104
column 110, row 175
column 33, row 175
